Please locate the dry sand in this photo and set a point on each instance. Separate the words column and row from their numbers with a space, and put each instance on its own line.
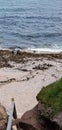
column 23, row 83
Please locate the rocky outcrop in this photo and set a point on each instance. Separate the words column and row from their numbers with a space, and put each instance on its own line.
column 3, row 117
column 50, row 104
column 54, row 122
column 32, row 120
column 29, row 120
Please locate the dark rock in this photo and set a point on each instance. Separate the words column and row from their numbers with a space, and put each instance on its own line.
column 42, row 67
column 12, row 51
column 24, row 70
column 27, row 78
column 18, row 52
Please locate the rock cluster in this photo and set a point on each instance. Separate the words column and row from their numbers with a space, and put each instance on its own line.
column 42, row 67
column 33, row 120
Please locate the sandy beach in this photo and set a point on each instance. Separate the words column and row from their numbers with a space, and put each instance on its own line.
column 22, row 75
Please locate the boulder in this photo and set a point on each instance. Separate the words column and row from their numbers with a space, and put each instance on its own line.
column 29, row 120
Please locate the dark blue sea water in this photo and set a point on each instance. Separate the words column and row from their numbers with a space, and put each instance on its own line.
column 31, row 24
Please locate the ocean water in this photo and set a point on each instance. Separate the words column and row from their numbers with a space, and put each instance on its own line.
column 31, row 24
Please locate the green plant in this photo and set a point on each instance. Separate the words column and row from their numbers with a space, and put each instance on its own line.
column 51, row 97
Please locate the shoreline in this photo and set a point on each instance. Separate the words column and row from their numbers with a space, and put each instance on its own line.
column 33, row 50
column 30, row 51
column 23, row 74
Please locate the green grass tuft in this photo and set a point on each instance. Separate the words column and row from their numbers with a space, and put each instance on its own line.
column 51, row 97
